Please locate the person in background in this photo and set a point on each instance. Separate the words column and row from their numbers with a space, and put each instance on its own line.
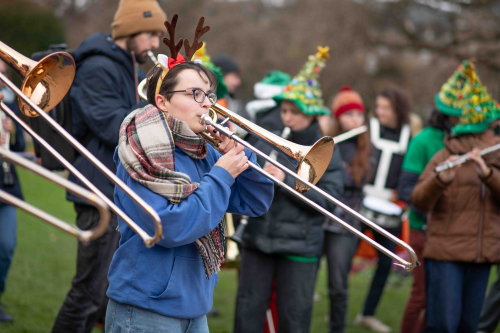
column 9, row 182
column 232, row 79
column 390, row 134
column 103, row 94
column 285, row 244
column 264, row 91
column 463, row 224
column 422, row 148
column 349, row 113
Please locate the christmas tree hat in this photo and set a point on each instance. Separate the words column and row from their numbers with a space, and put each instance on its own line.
column 304, row 89
column 206, row 61
column 451, row 99
column 479, row 111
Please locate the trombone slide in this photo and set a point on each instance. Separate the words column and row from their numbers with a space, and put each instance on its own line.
column 84, row 236
column 149, row 241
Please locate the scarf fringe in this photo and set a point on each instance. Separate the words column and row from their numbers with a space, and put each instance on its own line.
column 212, row 248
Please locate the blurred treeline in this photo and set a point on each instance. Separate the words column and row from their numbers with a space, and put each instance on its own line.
column 415, row 44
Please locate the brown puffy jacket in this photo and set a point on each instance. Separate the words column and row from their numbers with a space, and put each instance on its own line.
column 464, row 216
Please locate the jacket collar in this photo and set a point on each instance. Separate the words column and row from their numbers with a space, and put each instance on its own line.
column 307, row 136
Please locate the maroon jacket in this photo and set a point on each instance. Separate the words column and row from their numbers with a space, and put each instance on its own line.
column 464, row 216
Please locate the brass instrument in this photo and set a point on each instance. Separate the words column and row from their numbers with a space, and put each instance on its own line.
column 44, row 85
column 310, row 163
column 84, row 236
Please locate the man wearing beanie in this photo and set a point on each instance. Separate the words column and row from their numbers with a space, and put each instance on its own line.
column 103, row 94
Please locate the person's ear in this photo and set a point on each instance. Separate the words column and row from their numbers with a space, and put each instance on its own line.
column 161, row 103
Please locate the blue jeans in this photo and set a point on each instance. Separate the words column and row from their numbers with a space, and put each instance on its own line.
column 8, row 230
column 455, row 294
column 124, row 318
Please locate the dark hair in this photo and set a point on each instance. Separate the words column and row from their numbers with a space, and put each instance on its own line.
column 440, row 121
column 360, row 163
column 400, row 102
column 170, row 80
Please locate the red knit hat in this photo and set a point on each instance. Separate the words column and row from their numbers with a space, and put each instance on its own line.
column 346, row 100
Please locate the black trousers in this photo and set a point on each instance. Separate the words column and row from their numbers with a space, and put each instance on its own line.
column 87, row 300
column 382, row 272
column 490, row 315
column 294, row 292
column 340, row 249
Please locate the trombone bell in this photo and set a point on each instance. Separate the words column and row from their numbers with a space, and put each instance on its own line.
column 45, row 82
column 310, row 162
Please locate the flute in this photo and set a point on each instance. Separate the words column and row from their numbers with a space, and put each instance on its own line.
column 463, row 158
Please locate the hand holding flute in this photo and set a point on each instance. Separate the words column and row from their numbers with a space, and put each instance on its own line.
column 446, row 175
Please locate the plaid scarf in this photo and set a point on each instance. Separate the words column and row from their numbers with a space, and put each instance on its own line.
column 146, row 149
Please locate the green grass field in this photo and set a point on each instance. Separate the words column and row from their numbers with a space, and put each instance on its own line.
column 44, row 264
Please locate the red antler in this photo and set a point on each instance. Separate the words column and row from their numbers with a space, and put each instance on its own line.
column 200, row 31
column 174, row 49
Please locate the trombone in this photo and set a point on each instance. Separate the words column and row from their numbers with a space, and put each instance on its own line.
column 44, row 85
column 84, row 236
column 310, row 163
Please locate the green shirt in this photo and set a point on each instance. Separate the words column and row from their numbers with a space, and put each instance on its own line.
column 420, row 151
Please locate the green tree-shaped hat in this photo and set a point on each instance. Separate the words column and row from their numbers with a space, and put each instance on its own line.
column 451, row 99
column 479, row 111
column 304, row 89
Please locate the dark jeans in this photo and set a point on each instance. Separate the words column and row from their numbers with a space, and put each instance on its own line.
column 8, row 240
column 455, row 294
column 414, row 315
column 294, row 292
column 490, row 315
column 340, row 249
column 87, row 298
column 382, row 272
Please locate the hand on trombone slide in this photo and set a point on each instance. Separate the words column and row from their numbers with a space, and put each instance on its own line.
column 234, row 159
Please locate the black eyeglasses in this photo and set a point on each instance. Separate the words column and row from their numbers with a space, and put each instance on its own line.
column 199, row 95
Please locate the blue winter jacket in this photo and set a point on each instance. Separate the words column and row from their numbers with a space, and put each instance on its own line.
column 103, row 94
column 169, row 278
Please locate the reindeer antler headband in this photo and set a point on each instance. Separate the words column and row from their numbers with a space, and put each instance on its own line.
column 175, row 57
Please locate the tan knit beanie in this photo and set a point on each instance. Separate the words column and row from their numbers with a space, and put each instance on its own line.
column 135, row 16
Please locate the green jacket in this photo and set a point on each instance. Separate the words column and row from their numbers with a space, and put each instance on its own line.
column 421, row 149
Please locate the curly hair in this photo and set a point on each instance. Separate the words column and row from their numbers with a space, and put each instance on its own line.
column 400, row 102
